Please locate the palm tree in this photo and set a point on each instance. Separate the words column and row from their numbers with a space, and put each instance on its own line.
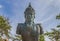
column 54, row 35
column 16, row 37
column 4, row 27
column 41, row 37
column 58, row 17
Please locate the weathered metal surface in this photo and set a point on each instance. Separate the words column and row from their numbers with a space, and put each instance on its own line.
column 29, row 30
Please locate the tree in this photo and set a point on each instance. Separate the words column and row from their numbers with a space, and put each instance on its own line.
column 41, row 37
column 16, row 38
column 58, row 17
column 4, row 27
column 54, row 35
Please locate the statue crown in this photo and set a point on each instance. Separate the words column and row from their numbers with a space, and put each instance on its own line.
column 29, row 10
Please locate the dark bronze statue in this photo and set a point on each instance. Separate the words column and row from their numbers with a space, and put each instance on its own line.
column 29, row 30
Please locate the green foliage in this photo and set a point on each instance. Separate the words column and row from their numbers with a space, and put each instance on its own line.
column 17, row 37
column 4, row 27
column 41, row 38
column 58, row 16
column 58, row 26
column 0, row 39
column 54, row 34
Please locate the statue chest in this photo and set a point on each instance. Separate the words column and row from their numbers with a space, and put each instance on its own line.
column 28, row 28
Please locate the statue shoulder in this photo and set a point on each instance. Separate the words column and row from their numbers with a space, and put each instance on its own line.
column 38, row 25
column 20, row 24
column 19, row 28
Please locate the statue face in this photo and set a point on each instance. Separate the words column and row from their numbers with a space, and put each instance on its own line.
column 29, row 17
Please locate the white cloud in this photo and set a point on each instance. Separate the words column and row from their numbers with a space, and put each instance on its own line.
column 1, row 6
column 49, row 18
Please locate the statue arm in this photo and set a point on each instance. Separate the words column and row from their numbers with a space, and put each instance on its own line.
column 18, row 31
column 40, row 29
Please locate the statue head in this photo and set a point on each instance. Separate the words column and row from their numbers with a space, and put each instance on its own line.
column 29, row 14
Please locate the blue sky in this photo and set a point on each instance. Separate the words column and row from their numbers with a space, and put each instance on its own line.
column 46, row 11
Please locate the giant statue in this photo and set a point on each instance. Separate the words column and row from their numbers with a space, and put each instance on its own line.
column 29, row 30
